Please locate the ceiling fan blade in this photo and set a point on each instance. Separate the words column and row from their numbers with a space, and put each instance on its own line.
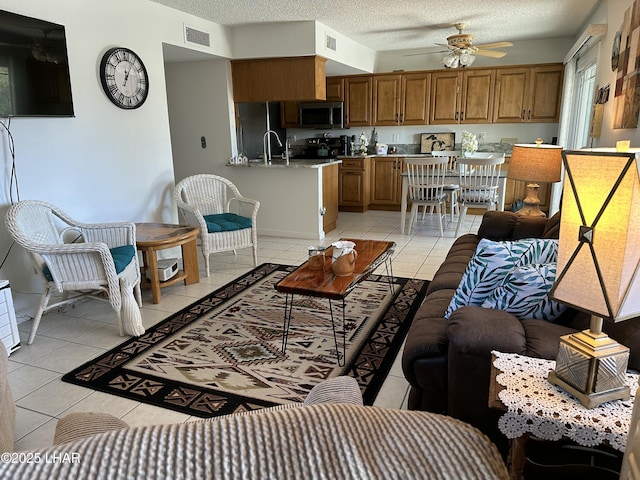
column 424, row 53
column 495, row 45
column 445, row 45
column 490, row 53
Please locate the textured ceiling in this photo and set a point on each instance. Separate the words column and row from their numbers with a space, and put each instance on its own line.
column 407, row 24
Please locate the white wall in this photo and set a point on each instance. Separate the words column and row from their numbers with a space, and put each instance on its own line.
column 105, row 164
column 199, row 105
column 615, row 11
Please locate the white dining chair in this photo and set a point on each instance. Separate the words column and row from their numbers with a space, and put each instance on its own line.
column 479, row 181
column 450, row 189
column 426, row 186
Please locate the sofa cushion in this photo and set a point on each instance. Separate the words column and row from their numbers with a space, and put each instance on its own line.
column 525, row 293
column 492, row 262
column 226, row 222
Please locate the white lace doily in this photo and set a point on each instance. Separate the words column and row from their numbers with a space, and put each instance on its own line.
column 548, row 412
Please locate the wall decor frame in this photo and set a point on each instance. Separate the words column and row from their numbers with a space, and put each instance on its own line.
column 437, row 141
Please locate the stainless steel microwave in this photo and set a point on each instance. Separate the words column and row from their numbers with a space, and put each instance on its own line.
column 321, row 114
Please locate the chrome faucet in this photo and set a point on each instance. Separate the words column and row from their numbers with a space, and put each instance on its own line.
column 287, row 147
column 266, row 145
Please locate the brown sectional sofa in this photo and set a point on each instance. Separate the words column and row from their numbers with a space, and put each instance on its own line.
column 448, row 362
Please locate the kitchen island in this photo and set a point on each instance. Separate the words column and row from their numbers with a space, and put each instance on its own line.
column 298, row 199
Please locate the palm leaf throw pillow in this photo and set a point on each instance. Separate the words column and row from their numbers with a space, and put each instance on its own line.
column 492, row 262
column 525, row 293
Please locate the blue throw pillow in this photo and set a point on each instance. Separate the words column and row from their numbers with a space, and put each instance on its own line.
column 226, row 222
column 122, row 256
column 491, row 263
column 525, row 293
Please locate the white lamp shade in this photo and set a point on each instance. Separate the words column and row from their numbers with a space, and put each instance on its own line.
column 599, row 246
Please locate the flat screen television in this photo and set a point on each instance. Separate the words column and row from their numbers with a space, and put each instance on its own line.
column 34, row 70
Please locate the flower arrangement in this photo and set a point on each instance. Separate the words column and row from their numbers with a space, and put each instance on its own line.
column 364, row 143
column 469, row 144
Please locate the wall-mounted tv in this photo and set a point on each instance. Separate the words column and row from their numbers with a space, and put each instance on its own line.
column 34, row 70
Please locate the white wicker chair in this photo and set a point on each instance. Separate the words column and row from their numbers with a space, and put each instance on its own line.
column 205, row 194
column 84, row 267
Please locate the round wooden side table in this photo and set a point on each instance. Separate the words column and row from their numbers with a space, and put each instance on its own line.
column 151, row 237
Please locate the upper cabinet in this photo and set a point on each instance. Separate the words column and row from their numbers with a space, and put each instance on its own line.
column 289, row 115
column 335, row 89
column 462, row 96
column 357, row 101
column 528, row 94
column 401, row 99
column 279, row 79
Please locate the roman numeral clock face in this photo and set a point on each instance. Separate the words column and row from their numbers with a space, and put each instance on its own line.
column 124, row 78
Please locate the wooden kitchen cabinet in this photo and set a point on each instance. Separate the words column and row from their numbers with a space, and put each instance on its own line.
column 462, row 96
column 386, row 183
column 528, row 94
column 289, row 115
column 401, row 99
column 357, row 107
column 354, row 184
column 330, row 197
column 279, row 79
column 335, row 89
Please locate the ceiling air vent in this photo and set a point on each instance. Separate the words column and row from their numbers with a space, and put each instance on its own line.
column 191, row 35
column 330, row 42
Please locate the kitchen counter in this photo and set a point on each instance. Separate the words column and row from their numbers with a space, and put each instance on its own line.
column 399, row 155
column 293, row 163
column 295, row 198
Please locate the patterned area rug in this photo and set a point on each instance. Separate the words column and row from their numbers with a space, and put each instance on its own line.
column 222, row 354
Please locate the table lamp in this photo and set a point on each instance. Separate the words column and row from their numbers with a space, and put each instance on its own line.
column 598, row 263
column 535, row 163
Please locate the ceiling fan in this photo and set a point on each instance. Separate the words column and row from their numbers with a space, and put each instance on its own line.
column 461, row 50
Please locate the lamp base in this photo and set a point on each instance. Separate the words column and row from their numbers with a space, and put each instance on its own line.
column 531, row 203
column 591, row 400
column 592, row 366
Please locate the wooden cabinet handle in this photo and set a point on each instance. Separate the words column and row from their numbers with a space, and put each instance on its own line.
column 461, row 116
column 456, row 117
column 523, row 114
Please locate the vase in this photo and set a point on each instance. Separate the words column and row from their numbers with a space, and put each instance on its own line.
column 343, row 266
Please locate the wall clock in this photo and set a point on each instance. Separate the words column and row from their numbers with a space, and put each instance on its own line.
column 124, row 78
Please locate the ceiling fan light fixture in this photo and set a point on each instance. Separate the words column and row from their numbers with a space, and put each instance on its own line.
column 466, row 59
column 451, row 60
column 458, row 58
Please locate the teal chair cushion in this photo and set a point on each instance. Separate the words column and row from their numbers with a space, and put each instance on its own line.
column 122, row 257
column 226, row 222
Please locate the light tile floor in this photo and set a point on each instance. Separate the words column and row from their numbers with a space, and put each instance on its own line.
column 67, row 339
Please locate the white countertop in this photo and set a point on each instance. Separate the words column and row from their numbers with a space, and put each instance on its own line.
column 293, row 163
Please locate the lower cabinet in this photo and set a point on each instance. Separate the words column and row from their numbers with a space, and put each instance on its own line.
column 330, row 197
column 354, row 185
column 386, row 183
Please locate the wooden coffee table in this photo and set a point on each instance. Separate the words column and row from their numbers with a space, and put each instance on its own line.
column 324, row 284
column 151, row 237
